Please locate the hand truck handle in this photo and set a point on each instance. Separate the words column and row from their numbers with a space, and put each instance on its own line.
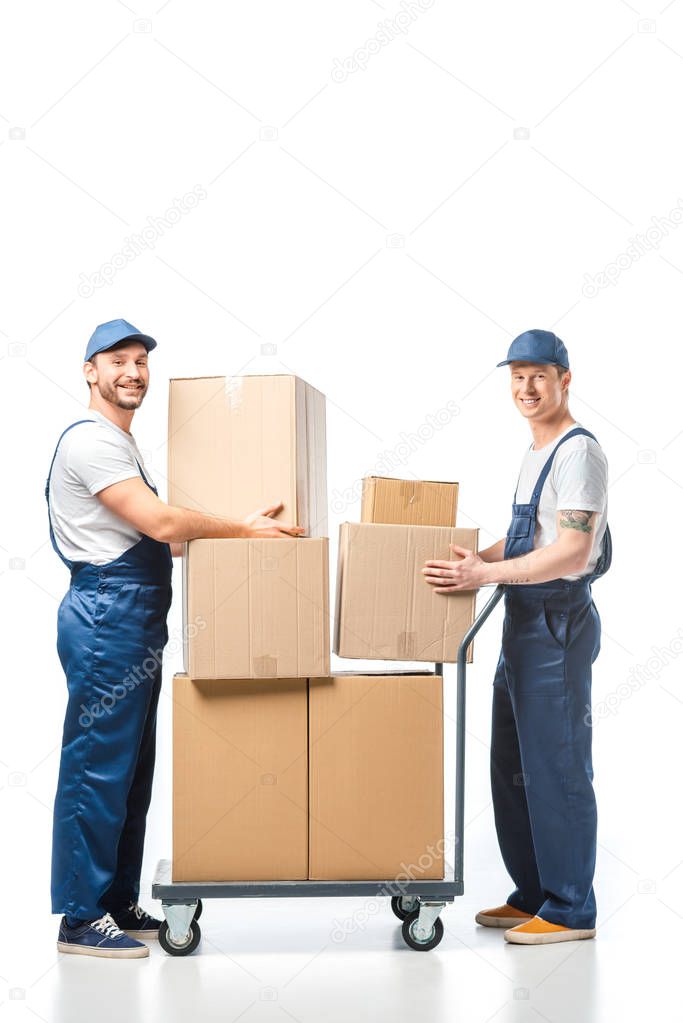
column 460, row 728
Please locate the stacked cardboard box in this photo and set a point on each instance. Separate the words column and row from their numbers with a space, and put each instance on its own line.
column 260, row 608
column 282, row 769
column 376, row 776
column 236, row 444
column 409, row 502
column 240, row 801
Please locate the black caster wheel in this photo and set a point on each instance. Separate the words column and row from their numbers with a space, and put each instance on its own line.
column 402, row 905
column 198, row 910
column 408, row 931
column 194, row 936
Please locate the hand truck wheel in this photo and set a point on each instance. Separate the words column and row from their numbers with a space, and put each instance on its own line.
column 413, row 941
column 402, row 905
column 185, row 948
column 198, row 910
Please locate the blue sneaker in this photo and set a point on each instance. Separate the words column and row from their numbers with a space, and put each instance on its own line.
column 136, row 922
column 99, row 937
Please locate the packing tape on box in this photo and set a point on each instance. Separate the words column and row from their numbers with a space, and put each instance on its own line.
column 264, row 667
column 407, row 643
column 233, row 391
column 407, row 492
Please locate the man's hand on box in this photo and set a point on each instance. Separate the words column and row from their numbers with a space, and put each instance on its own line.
column 469, row 572
column 260, row 524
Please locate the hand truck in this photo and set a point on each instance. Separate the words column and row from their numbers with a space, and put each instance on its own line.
column 416, row 903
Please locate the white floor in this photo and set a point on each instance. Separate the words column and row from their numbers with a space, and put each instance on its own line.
column 278, row 960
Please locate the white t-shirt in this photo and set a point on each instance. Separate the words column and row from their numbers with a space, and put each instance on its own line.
column 577, row 480
column 90, row 457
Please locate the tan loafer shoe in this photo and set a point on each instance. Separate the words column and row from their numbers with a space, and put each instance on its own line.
column 540, row 932
column 502, row 916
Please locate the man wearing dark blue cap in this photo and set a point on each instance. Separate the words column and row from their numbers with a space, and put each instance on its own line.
column 116, row 537
column 557, row 544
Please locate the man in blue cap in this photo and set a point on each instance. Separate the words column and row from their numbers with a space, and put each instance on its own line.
column 557, row 544
column 116, row 537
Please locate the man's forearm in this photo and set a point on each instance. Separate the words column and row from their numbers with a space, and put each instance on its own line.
column 181, row 524
column 539, row 566
column 496, row 552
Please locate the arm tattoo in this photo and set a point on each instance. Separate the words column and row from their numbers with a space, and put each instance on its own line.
column 580, row 520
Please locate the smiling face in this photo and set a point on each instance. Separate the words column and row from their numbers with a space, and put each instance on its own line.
column 121, row 374
column 539, row 391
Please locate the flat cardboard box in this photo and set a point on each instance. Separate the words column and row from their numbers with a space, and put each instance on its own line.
column 409, row 502
column 376, row 777
column 256, row 608
column 385, row 610
column 240, row 800
column 237, row 444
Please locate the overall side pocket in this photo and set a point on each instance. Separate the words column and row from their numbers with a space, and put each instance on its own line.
column 556, row 616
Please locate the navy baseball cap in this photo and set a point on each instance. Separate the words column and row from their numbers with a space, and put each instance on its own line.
column 537, row 346
column 108, row 334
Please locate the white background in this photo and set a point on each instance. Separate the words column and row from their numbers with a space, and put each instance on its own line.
column 384, row 237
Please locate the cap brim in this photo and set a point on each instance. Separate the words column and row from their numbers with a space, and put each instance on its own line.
column 146, row 340
column 533, row 362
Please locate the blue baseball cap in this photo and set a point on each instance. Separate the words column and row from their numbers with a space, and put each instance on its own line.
column 108, row 334
column 537, row 346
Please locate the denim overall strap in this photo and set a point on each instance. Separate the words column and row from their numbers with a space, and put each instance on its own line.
column 520, row 535
column 540, row 482
column 66, row 561
column 150, row 485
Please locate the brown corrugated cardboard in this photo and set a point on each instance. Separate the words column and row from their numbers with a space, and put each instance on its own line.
column 240, row 800
column 385, row 610
column 376, row 777
column 256, row 608
column 236, row 444
column 409, row 502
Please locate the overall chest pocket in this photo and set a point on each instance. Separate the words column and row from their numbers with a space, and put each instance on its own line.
column 522, row 524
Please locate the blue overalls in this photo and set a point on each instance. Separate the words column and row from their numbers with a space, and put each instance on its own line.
column 111, row 631
column 541, row 764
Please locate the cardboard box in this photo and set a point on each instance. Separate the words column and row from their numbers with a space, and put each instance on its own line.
column 409, row 502
column 385, row 610
column 256, row 608
column 376, row 777
column 240, row 800
column 237, row 444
